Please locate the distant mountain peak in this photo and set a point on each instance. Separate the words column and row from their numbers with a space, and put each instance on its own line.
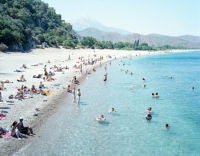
column 84, row 23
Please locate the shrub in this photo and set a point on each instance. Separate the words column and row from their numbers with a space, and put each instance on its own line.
column 3, row 47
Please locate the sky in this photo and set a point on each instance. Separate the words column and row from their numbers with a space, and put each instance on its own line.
column 167, row 17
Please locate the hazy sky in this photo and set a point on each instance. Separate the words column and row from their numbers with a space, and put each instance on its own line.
column 169, row 17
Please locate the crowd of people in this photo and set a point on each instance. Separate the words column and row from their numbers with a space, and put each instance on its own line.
column 24, row 91
column 16, row 130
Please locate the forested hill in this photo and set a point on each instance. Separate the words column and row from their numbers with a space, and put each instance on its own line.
column 24, row 24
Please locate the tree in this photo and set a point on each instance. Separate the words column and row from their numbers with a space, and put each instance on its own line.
column 88, row 42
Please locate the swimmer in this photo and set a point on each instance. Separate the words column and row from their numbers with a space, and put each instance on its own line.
column 100, row 118
column 112, row 110
column 105, row 77
column 166, row 125
column 79, row 94
column 148, row 116
column 144, row 86
column 149, row 110
column 155, row 95
column 192, row 87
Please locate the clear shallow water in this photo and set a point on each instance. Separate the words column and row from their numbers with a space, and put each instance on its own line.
column 73, row 130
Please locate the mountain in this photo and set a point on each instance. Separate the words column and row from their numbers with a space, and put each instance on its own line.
column 84, row 23
column 24, row 24
column 156, row 40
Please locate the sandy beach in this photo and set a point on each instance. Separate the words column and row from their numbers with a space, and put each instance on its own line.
column 36, row 109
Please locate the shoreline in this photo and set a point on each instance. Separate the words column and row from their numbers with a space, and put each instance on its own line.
column 10, row 146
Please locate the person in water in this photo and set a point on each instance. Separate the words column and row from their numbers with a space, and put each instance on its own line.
column 100, row 117
column 69, row 89
column 105, row 76
column 112, row 110
column 79, row 95
column 155, row 95
column 148, row 116
column 149, row 110
column 166, row 125
column 74, row 94
column 143, row 86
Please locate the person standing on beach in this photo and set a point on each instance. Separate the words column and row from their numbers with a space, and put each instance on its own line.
column 81, row 67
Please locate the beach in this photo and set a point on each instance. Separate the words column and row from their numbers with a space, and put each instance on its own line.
column 47, row 105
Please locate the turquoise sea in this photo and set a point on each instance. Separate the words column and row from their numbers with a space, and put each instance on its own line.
column 73, row 130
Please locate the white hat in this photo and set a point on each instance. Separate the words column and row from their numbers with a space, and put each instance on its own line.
column 21, row 118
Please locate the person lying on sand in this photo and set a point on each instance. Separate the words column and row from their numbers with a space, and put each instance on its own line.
column 6, row 81
column 23, row 66
column 17, row 70
column 22, row 79
column 37, row 76
column 37, row 64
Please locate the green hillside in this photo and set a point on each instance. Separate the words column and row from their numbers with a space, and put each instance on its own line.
column 24, row 24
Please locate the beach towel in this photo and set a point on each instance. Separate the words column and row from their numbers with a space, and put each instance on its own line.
column 7, row 135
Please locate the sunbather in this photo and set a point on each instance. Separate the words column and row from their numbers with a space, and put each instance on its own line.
column 22, row 79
